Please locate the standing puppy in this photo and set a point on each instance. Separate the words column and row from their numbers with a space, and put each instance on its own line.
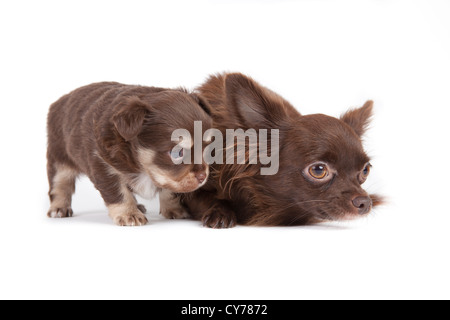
column 120, row 137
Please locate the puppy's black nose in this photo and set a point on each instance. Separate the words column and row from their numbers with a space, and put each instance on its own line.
column 364, row 204
column 201, row 176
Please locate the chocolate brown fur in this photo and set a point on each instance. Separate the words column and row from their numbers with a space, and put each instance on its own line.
column 239, row 194
column 120, row 137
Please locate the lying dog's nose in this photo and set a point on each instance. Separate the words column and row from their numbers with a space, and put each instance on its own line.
column 364, row 204
column 201, row 176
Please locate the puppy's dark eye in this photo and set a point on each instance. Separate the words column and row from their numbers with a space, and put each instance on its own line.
column 176, row 154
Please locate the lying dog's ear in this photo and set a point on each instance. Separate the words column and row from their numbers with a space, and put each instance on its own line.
column 129, row 119
column 359, row 119
column 253, row 104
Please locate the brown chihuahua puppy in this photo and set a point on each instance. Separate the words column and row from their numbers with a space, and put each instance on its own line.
column 120, row 137
column 322, row 164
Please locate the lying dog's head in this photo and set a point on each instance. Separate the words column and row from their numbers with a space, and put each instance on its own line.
column 332, row 163
column 322, row 163
column 146, row 124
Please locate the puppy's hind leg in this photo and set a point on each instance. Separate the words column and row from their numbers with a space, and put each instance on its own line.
column 62, row 186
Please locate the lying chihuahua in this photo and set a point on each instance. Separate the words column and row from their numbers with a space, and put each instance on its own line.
column 322, row 164
column 120, row 137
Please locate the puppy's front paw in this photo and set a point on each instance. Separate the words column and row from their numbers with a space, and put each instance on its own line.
column 219, row 218
column 60, row 213
column 131, row 219
column 127, row 215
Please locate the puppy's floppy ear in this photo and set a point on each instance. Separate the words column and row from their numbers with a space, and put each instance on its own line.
column 202, row 103
column 129, row 119
column 253, row 104
column 359, row 119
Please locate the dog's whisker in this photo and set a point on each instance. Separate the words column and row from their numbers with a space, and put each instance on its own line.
column 297, row 203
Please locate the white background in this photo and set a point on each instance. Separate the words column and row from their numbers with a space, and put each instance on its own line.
column 322, row 56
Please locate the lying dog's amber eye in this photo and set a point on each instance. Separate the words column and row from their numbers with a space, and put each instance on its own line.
column 318, row 171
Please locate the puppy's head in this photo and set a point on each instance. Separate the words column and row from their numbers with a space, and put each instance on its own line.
column 147, row 124
column 322, row 163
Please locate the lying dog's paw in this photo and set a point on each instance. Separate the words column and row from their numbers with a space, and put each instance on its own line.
column 142, row 208
column 175, row 213
column 219, row 218
column 170, row 206
column 60, row 213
